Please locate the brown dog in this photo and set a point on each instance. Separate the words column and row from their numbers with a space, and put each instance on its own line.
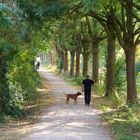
column 73, row 96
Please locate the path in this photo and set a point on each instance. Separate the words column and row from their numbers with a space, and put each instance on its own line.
column 67, row 121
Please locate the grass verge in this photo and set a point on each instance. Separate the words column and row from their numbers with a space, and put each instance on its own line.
column 123, row 122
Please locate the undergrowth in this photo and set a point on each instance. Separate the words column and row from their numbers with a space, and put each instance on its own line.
column 123, row 122
column 74, row 80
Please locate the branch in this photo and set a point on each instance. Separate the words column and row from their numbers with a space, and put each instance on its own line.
column 118, row 29
column 75, row 8
column 103, row 37
column 123, row 18
column 137, row 31
column 137, row 40
column 132, row 3
column 122, row 26
column 136, row 17
column 98, row 17
column 89, row 27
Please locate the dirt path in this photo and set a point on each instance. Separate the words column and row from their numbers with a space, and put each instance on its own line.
column 67, row 121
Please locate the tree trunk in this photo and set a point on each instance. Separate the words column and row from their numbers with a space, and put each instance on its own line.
column 72, row 63
column 60, row 64
column 65, row 62
column 85, row 64
column 110, row 61
column 95, row 61
column 130, row 73
column 130, row 51
column 77, row 62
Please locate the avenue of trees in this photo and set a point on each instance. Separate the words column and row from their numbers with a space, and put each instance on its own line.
column 100, row 36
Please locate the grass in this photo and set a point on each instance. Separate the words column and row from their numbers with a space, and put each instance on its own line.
column 15, row 129
column 123, row 122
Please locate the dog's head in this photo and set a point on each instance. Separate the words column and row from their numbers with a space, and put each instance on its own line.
column 79, row 93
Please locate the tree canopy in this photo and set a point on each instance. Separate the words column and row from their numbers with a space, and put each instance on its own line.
column 88, row 33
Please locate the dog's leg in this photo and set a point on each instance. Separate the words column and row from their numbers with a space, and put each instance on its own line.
column 75, row 101
column 67, row 100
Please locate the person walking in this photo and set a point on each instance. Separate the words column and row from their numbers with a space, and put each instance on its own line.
column 86, row 88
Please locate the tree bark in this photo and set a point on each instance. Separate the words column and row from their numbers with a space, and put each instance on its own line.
column 85, row 64
column 61, row 64
column 65, row 62
column 130, row 74
column 77, row 63
column 95, row 61
column 110, row 60
column 130, row 50
column 72, row 63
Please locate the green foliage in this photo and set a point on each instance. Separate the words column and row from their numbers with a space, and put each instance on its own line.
column 137, row 68
column 100, row 89
column 24, row 76
column 15, row 90
column 90, row 5
column 77, row 80
column 138, row 84
column 36, row 12
column 120, row 78
column 117, row 98
column 6, row 47
column 5, row 19
column 74, row 80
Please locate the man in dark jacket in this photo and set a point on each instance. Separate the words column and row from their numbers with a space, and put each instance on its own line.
column 86, row 87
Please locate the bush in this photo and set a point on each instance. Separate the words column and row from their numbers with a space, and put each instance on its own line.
column 25, row 80
column 74, row 80
column 19, row 81
column 100, row 89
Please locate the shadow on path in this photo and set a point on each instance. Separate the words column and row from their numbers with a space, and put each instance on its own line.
column 67, row 121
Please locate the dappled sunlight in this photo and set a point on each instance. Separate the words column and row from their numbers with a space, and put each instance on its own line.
column 63, row 121
column 73, row 121
column 43, row 90
column 88, row 43
column 103, row 103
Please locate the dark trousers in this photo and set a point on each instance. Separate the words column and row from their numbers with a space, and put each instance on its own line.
column 87, row 96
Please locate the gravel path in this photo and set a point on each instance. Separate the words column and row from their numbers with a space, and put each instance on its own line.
column 67, row 121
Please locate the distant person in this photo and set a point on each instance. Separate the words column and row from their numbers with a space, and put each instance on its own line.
column 37, row 62
column 86, row 87
column 37, row 65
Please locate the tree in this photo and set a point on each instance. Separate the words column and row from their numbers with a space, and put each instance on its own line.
column 123, row 17
column 96, row 38
column 105, row 21
column 85, row 46
column 127, row 30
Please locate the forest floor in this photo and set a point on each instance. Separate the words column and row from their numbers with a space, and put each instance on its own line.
column 58, row 120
